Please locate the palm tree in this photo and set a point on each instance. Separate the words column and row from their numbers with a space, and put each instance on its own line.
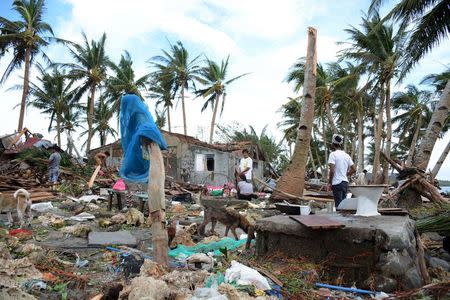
column 213, row 77
column 54, row 95
column 90, row 66
column 71, row 121
column 160, row 89
column 431, row 25
column 431, row 21
column 102, row 115
column 26, row 37
column 379, row 48
column 290, row 119
column 124, row 82
column 437, row 80
column 412, row 110
column 184, row 71
column 324, row 87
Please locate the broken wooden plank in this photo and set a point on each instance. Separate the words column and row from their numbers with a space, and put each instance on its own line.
column 317, row 222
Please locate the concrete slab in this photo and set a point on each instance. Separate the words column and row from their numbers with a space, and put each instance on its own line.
column 112, row 238
column 367, row 246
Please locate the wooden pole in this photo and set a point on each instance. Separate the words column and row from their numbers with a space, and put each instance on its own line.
column 157, row 204
column 94, row 175
column 293, row 179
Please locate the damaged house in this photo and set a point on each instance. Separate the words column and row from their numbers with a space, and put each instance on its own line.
column 191, row 160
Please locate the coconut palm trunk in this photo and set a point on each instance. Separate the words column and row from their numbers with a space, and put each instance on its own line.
column 412, row 147
column 58, row 130
column 168, row 119
column 388, row 132
column 213, row 120
column 293, row 179
column 330, row 117
column 360, row 141
column 184, row 111
column 434, row 129
column 313, row 163
column 90, row 118
column 379, row 129
column 440, row 161
column 26, row 88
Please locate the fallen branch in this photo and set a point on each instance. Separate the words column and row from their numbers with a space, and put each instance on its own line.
column 278, row 190
column 421, row 260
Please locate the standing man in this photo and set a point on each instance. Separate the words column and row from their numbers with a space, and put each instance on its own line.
column 53, row 166
column 341, row 166
column 246, row 166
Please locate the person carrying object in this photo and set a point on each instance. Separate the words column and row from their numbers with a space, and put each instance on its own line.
column 341, row 167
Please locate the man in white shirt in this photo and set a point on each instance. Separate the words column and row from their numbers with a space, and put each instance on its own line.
column 341, row 166
column 246, row 166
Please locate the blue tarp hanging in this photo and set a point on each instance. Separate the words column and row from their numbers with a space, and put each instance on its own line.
column 136, row 123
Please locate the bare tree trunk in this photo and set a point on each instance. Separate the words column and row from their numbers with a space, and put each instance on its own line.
column 168, row 119
column 330, row 116
column 184, row 111
column 293, row 179
column 325, row 169
column 157, row 205
column 440, row 161
column 360, row 141
column 213, row 121
column 376, row 159
column 434, row 129
column 313, row 163
column 26, row 88
column 412, row 147
column 388, row 132
column 90, row 118
column 58, row 131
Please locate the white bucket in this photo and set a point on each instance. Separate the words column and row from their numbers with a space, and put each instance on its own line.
column 305, row 210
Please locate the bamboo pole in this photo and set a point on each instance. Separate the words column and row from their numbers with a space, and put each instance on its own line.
column 157, row 204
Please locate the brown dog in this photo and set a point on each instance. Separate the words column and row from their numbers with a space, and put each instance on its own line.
column 20, row 202
column 229, row 217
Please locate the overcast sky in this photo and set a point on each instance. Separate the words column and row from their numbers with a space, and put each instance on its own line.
column 261, row 37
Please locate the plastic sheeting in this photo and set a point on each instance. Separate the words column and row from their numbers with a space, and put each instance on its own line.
column 136, row 123
column 231, row 244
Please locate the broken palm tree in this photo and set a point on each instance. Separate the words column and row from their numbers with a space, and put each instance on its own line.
column 143, row 162
column 293, row 179
column 157, row 204
column 416, row 184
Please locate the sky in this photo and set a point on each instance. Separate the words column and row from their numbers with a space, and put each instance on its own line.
column 261, row 37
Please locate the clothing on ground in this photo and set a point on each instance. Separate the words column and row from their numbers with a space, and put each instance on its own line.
column 342, row 162
column 136, row 124
column 339, row 192
column 245, row 163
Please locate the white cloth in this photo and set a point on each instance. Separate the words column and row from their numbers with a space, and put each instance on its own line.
column 245, row 188
column 342, row 162
column 245, row 163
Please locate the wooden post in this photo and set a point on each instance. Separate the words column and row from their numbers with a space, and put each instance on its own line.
column 157, row 204
column 293, row 179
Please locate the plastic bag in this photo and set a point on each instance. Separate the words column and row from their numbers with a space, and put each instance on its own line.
column 136, row 123
column 243, row 275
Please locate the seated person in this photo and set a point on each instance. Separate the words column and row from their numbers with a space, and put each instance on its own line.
column 245, row 189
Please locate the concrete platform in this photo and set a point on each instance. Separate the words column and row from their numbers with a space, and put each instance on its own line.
column 112, row 238
column 367, row 248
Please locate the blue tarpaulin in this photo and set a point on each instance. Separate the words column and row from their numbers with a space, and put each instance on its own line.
column 136, row 124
